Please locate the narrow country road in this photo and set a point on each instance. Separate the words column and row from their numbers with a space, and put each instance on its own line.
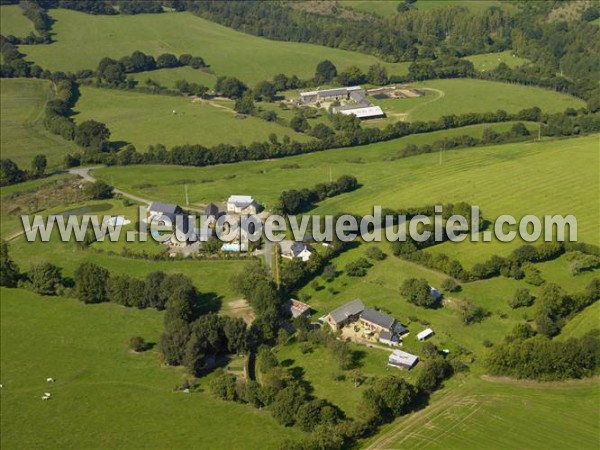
column 84, row 172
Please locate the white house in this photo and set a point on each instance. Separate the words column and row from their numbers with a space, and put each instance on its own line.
column 242, row 204
column 291, row 250
column 426, row 333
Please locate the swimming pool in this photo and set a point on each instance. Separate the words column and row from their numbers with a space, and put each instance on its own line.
column 230, row 247
column 118, row 221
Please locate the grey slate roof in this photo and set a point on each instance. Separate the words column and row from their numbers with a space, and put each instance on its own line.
column 298, row 247
column 353, row 308
column 211, row 210
column 385, row 335
column 165, row 208
column 378, row 318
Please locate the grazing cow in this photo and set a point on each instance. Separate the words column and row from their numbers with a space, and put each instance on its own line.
column 49, row 380
column 45, row 398
column 47, row 394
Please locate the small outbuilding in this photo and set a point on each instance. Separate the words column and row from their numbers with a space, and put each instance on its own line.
column 402, row 360
column 425, row 334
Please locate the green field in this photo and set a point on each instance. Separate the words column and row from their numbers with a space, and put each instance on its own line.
column 461, row 96
column 210, row 277
column 145, row 119
column 13, row 22
column 104, row 396
column 489, row 61
column 22, row 133
column 550, row 177
column 583, row 322
column 82, row 40
column 266, row 179
column 501, row 415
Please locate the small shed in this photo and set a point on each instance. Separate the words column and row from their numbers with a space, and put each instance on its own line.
column 425, row 334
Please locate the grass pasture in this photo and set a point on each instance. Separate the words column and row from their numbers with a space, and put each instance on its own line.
column 461, row 96
column 13, row 22
column 210, row 277
column 22, row 133
column 266, row 179
column 585, row 321
column 489, row 61
column 548, row 177
column 145, row 119
column 104, row 396
column 499, row 414
column 82, row 40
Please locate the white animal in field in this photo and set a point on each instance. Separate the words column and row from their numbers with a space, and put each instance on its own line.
column 47, row 394
column 49, row 380
column 174, row 112
column 45, row 398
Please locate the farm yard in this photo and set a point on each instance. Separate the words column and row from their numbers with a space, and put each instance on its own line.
column 196, row 345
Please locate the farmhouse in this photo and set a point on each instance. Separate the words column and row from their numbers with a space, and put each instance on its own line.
column 291, row 250
column 345, row 314
column 426, row 333
column 158, row 209
column 185, row 234
column 376, row 320
column 212, row 211
column 386, row 337
column 327, row 95
column 402, row 360
column 301, row 250
column 242, row 204
column 296, row 308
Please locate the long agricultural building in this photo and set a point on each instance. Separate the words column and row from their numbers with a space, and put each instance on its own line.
column 356, row 96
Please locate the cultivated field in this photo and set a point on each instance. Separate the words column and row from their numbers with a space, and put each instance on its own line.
column 22, row 133
column 13, row 22
column 83, row 39
column 145, row 119
column 104, row 396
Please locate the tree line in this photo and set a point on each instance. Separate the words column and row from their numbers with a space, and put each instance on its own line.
column 350, row 134
column 295, row 201
column 289, row 399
